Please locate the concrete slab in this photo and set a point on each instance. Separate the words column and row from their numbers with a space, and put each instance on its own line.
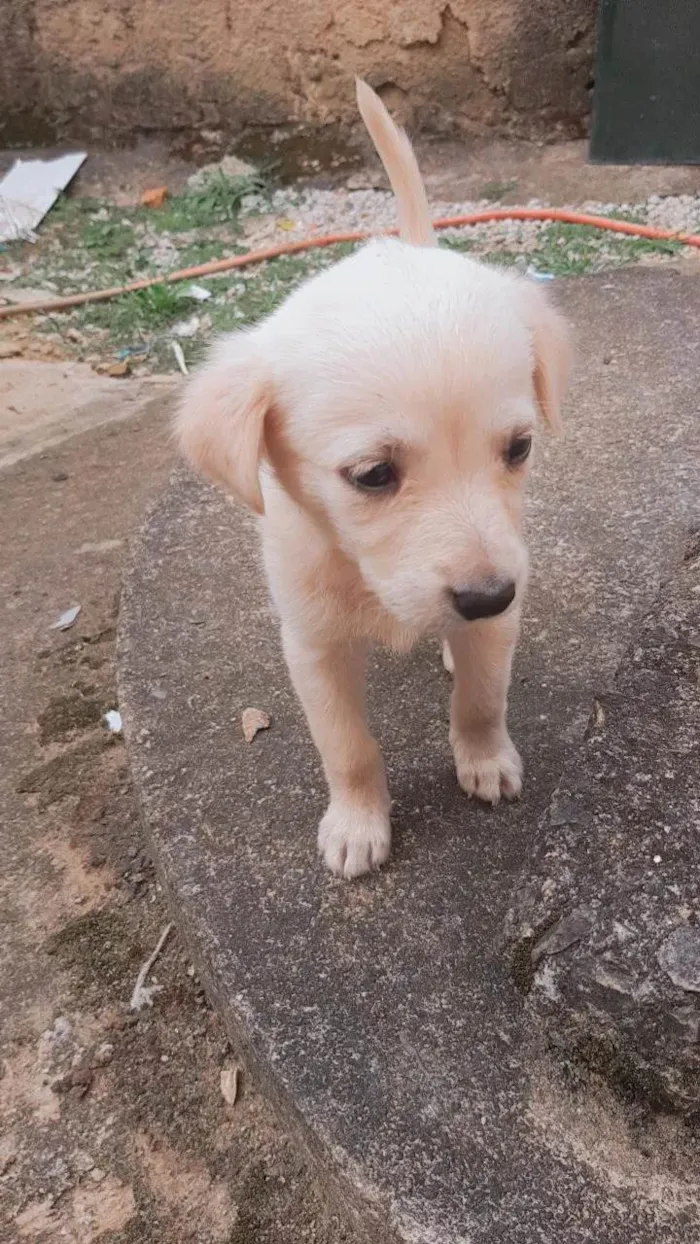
column 384, row 1017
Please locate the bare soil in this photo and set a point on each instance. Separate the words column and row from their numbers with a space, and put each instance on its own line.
column 113, row 1124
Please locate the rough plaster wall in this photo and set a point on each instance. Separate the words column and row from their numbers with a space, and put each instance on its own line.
column 140, row 65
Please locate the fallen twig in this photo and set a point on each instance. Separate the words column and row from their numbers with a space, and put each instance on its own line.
column 143, row 994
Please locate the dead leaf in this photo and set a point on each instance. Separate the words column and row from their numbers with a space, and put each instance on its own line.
column 154, row 197
column 229, row 1085
column 252, row 720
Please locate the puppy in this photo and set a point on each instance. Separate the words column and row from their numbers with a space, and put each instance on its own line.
column 381, row 424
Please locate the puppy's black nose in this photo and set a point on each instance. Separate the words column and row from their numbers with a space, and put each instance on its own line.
column 483, row 600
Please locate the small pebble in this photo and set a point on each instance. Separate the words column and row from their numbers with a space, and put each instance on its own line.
column 104, row 1054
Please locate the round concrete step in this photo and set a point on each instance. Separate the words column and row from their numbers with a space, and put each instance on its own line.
column 383, row 1016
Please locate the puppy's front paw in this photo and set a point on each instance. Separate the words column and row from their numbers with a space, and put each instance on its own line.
column 488, row 772
column 354, row 840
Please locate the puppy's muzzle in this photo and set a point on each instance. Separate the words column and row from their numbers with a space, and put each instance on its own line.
column 483, row 600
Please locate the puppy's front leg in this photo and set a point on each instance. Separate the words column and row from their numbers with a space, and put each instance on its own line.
column 487, row 763
column 354, row 835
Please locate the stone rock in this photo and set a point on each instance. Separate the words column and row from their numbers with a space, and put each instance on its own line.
column 231, row 166
column 679, row 955
column 565, row 933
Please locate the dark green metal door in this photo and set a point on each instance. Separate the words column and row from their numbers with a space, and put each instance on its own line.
column 646, row 106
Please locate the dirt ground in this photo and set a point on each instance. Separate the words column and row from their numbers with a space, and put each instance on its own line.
column 556, row 172
column 113, row 1122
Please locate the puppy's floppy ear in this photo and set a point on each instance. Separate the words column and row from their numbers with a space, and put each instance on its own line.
column 220, row 425
column 552, row 355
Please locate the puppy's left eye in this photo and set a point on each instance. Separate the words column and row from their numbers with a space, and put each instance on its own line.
column 518, row 449
column 378, row 478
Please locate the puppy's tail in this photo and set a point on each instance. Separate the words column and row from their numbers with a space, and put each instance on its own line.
column 397, row 156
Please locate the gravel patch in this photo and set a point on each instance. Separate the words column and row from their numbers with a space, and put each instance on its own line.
column 310, row 212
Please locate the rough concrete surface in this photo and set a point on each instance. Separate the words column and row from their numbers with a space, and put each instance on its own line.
column 90, row 68
column 383, row 1017
column 608, row 920
column 113, row 1123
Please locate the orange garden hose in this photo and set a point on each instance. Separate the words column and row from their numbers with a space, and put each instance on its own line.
column 358, row 235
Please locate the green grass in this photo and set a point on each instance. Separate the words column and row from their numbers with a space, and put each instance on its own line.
column 217, row 201
column 494, row 191
column 109, row 239
column 571, row 250
column 132, row 316
column 203, row 250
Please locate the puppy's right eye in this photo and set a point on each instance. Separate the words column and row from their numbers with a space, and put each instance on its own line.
column 378, row 478
column 518, row 449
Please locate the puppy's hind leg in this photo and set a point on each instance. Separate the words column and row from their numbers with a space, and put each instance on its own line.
column 354, row 836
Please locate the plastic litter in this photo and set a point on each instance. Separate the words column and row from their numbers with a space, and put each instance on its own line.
column 29, row 190
column 198, row 292
column 154, row 197
column 187, row 328
column 113, row 721
column 133, row 352
column 179, row 357
column 65, row 620
column 534, row 275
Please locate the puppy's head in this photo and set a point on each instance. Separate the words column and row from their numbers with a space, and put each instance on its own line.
column 395, row 398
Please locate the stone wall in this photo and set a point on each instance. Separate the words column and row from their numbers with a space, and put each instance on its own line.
column 118, row 68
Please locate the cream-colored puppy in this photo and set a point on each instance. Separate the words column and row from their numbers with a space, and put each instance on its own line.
column 380, row 423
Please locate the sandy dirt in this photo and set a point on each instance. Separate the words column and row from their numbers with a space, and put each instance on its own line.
column 113, row 1123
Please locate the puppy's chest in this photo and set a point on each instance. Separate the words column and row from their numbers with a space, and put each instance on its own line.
column 344, row 606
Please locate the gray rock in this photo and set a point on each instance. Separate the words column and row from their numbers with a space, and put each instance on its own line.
column 230, row 166
column 679, row 955
column 565, row 933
